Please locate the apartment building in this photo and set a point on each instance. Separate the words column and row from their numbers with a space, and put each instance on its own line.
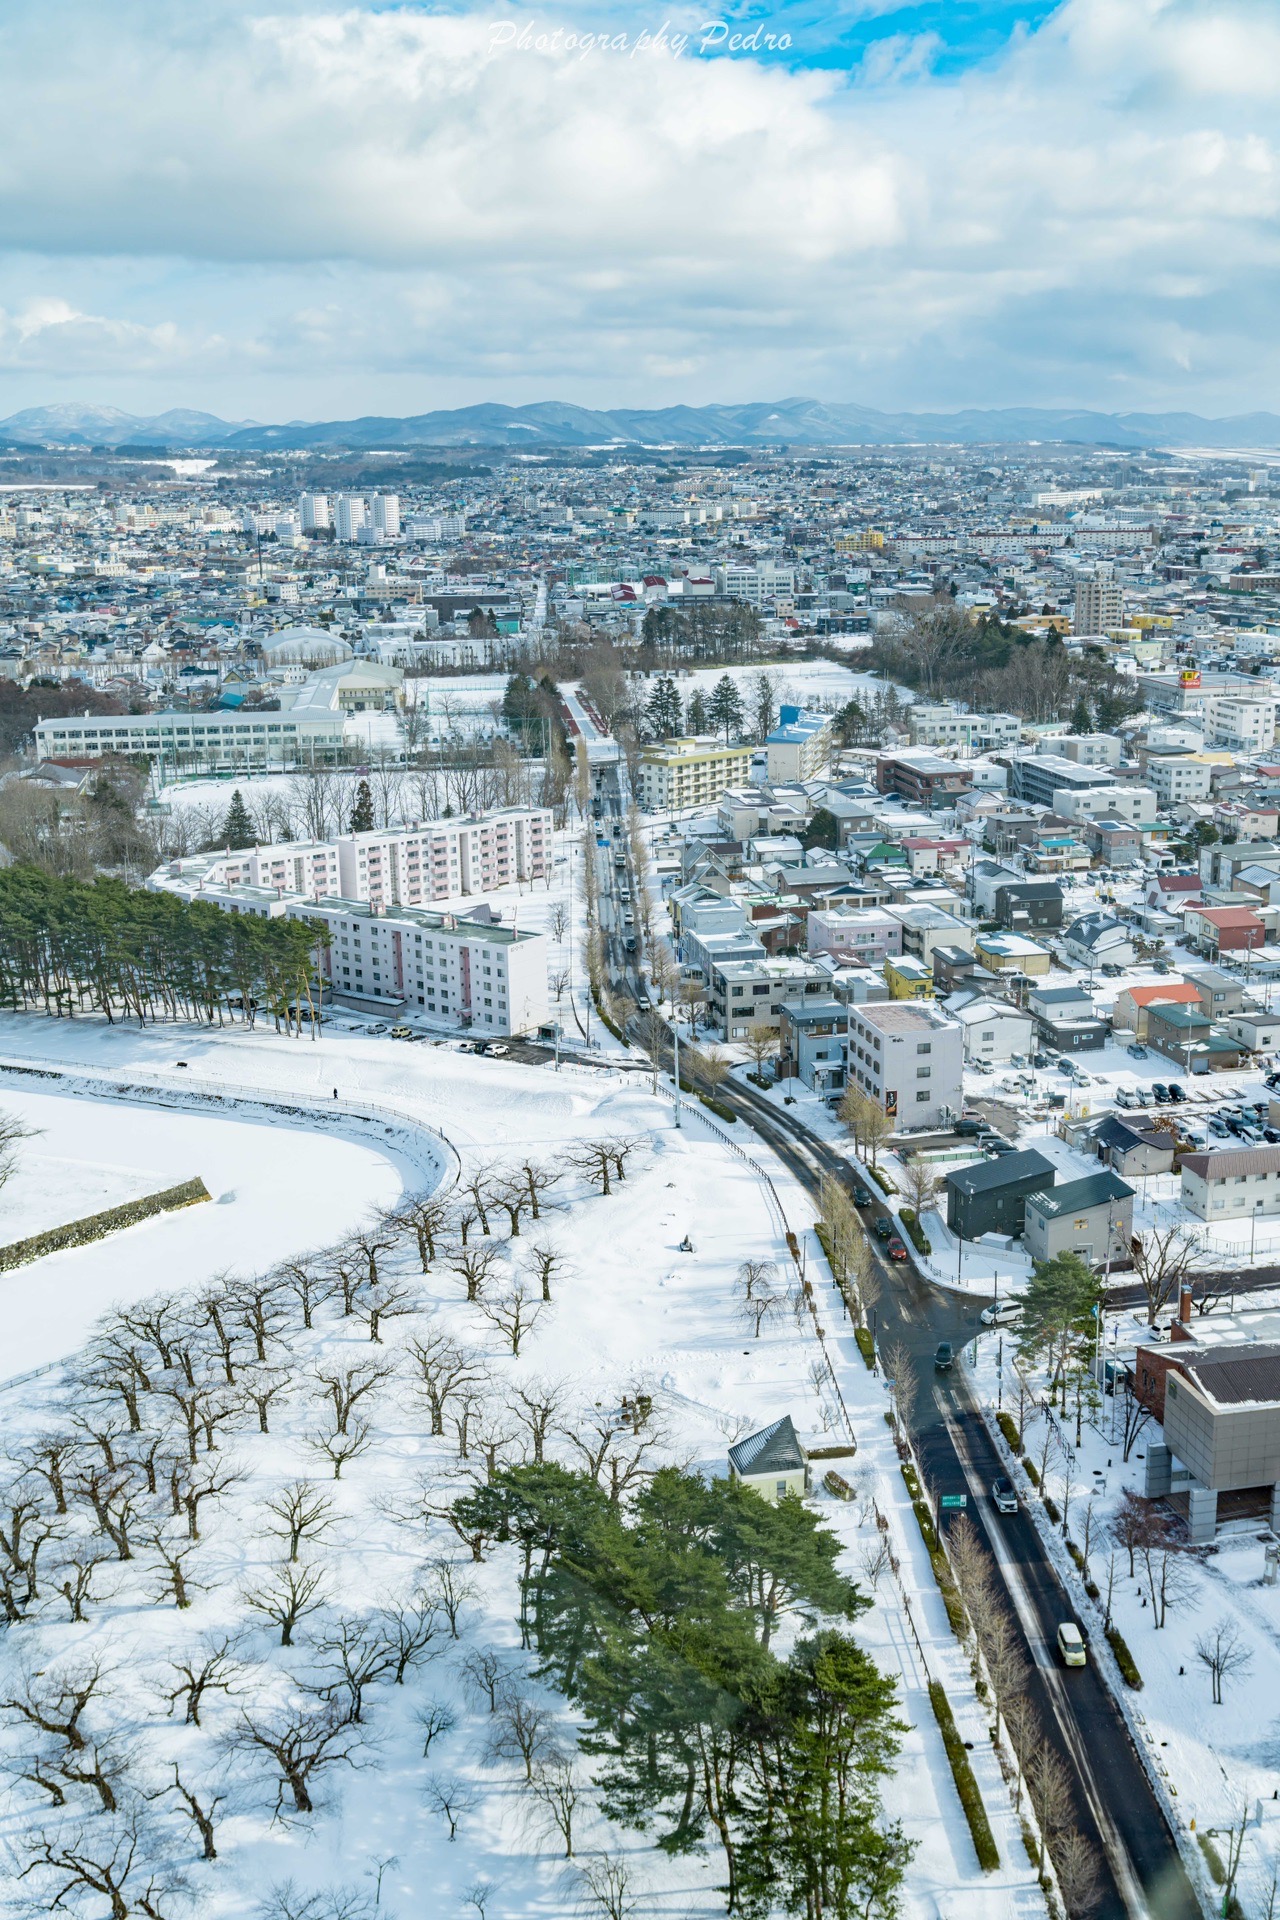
column 1099, row 604
column 799, row 748
column 218, row 741
column 1136, row 805
column 945, row 726
column 1086, row 749
column 1175, row 778
column 868, row 934
column 1040, row 777
column 674, row 774
column 746, row 994
column 909, row 1056
column 1234, row 1184
column 922, row 779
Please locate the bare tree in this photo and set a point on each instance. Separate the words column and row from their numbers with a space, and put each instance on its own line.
column 1134, row 1415
column 286, row 1596
column 392, row 1300
column 595, row 1162
column 54, row 1699
column 866, row 1120
column 487, row 1675
column 1224, row 1653
column 12, row 1131
column 515, row 1313
column 347, row 1382
column 762, row 1045
column 425, row 1216
column 511, row 1196
column 260, row 1387
column 900, row 1372
column 475, row 1266
column 546, row 1262
column 1076, row 1865
column 210, row 1667
column 309, row 1286
column 605, row 1886
column 77, row 1568
column 120, row 1862
column 555, row 1786
column 1134, row 1519
column 451, row 1798
column 174, row 1553
column 444, row 1369
column 1162, row 1261
column 435, row 1720
column 1048, row 1789
column 538, row 1180
column 301, row 1512
column 411, row 1626
column 535, row 1404
column 371, row 1241
column 201, row 1812
column 524, row 1732
column 357, row 1652
column 478, row 1190
column 303, row 1743
column 453, row 1586
column 921, row 1183
column 615, row 1455
column 340, row 1444
column 258, row 1305
column 760, row 1298
column 192, row 1485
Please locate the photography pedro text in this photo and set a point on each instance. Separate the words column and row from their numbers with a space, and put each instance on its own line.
column 713, row 36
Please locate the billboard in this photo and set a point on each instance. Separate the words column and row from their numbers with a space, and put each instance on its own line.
column 1189, row 678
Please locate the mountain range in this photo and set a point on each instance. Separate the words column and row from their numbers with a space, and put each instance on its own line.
column 553, row 423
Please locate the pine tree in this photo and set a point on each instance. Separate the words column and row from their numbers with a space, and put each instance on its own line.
column 1080, row 722
column 238, row 829
column 726, row 709
column 697, row 719
column 662, row 710
column 362, row 811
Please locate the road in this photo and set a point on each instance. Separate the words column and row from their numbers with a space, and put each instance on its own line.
column 1113, row 1805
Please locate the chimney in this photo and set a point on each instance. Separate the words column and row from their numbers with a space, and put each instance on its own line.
column 1184, row 1304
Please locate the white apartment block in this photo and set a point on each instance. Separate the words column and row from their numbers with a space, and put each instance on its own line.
column 313, row 509
column 1137, row 805
column 674, row 774
column 225, row 740
column 1179, row 778
column 349, row 516
column 490, row 979
column 910, row 1058
column 389, row 867
column 1099, row 605
column 745, row 994
column 1232, row 1184
column 1243, row 723
column 757, row 584
column 945, row 727
column 385, row 513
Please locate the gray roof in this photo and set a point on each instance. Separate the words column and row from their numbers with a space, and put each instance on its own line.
column 775, row 1449
column 1233, row 1161
column 985, row 1176
column 1233, row 1376
column 1077, row 1196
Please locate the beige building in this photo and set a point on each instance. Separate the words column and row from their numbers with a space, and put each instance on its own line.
column 674, row 774
column 1099, row 604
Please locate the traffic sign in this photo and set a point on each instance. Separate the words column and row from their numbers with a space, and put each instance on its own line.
column 954, row 1500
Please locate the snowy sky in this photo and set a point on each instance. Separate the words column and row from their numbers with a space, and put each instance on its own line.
column 300, row 212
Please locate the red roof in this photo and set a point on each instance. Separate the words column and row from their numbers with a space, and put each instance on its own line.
column 1176, row 990
column 1179, row 882
column 1229, row 916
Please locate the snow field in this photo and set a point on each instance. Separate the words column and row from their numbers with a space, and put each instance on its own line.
column 630, row 1311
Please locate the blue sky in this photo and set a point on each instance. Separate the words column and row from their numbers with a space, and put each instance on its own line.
column 291, row 210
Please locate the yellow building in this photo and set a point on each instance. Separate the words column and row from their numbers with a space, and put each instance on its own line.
column 868, row 541
column 1011, row 953
column 674, row 774
column 908, row 978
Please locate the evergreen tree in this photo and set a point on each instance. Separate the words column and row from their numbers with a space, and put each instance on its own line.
column 662, row 710
column 725, row 708
column 697, row 717
column 849, row 723
column 238, row 828
column 822, row 831
column 1080, row 722
column 362, row 809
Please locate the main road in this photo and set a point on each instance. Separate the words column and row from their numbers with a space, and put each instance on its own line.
column 1141, row 1875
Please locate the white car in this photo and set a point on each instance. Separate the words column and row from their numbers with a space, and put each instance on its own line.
column 1071, row 1645
column 1001, row 1313
column 499, row 1046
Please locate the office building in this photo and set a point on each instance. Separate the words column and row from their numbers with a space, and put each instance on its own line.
column 1099, row 604
column 909, row 1057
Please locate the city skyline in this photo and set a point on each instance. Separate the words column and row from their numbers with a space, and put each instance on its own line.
column 310, row 214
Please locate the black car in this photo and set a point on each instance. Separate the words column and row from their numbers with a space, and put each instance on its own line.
column 1177, row 1091
column 1161, row 1093
column 1161, row 966
column 944, row 1358
column 1039, row 1059
column 862, row 1197
column 883, row 1228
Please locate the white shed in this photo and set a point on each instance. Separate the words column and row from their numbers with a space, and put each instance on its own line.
column 772, row 1462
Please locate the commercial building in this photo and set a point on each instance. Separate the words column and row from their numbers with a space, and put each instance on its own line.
column 1092, row 1217
column 799, row 748
column 222, row 741
column 675, row 774
column 910, row 1058
column 1219, row 1409
column 946, row 726
column 922, row 779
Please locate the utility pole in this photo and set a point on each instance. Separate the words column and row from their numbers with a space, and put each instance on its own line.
column 675, row 1035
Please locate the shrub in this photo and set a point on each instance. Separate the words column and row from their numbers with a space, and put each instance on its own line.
column 975, row 1813
column 1124, row 1659
column 866, row 1345
column 882, row 1179
column 96, row 1226
column 1093, row 1590
column 719, row 1109
column 1029, row 1468
column 1212, row 1860
column 1051, row 1507
column 1009, row 1428
column 915, row 1232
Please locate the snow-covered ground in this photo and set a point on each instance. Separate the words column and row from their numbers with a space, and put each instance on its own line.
column 630, row 1311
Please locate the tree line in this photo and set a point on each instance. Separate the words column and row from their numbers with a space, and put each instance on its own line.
column 69, row 946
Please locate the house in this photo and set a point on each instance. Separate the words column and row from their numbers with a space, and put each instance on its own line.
column 772, row 1462
column 955, row 967
column 908, row 978
column 989, row 1196
column 1188, row 1037
column 1256, row 1030
column 1219, row 993
column 1215, row 930
column 1092, row 1217
column 1219, row 1409
column 1233, row 1184
column 1098, row 939
column 1015, row 903
column 1132, row 1150
column 812, row 1043
column 1011, row 953
column 995, row 1030
column 1114, row 842
column 1133, row 1004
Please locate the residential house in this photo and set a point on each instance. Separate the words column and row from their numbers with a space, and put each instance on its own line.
column 908, row 978
column 1215, row 930
column 1232, row 1184
column 1256, row 1030
column 1092, row 1217
column 812, row 1043
column 1129, row 1015
column 1065, row 1019
column 1098, row 939
column 772, row 1462
column 868, row 934
column 1219, row 1409
column 1188, row 1037
column 989, row 1196
column 1131, row 1148
column 995, row 1031
column 1011, row 953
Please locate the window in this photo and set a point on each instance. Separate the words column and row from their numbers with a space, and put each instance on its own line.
column 923, row 1094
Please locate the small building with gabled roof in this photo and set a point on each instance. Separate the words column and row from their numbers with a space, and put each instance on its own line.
column 772, row 1462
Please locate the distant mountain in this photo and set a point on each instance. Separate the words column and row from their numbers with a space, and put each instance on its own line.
column 554, row 423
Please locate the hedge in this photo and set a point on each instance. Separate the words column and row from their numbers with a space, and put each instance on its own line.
column 1212, row 1860
column 1009, row 1428
column 915, row 1232
column 937, row 1558
column 1029, row 1468
column 96, row 1226
column 984, row 1844
column 1124, row 1659
column 866, row 1345
column 1051, row 1507
column 882, row 1180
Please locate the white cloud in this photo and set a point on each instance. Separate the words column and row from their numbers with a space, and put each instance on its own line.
column 378, row 195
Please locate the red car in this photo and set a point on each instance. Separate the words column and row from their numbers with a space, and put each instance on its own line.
column 895, row 1248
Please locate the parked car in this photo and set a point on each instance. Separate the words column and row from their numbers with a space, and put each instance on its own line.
column 1177, row 1091
column 1066, row 1066
column 895, row 1248
column 1112, row 971
column 862, row 1197
column 1161, row 966
column 1126, row 1097
column 1218, row 1127
column 499, row 1046
column 1161, row 1093
column 379, row 1026
column 963, row 1128
column 1253, row 1135
column 883, row 1227
column 466, row 1046
column 1004, row 1495
column 1272, row 1079
column 1071, row 1645
column 1137, row 1049
column 944, row 1357
column 1000, row 1313
column 402, row 1033
column 1142, row 1097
